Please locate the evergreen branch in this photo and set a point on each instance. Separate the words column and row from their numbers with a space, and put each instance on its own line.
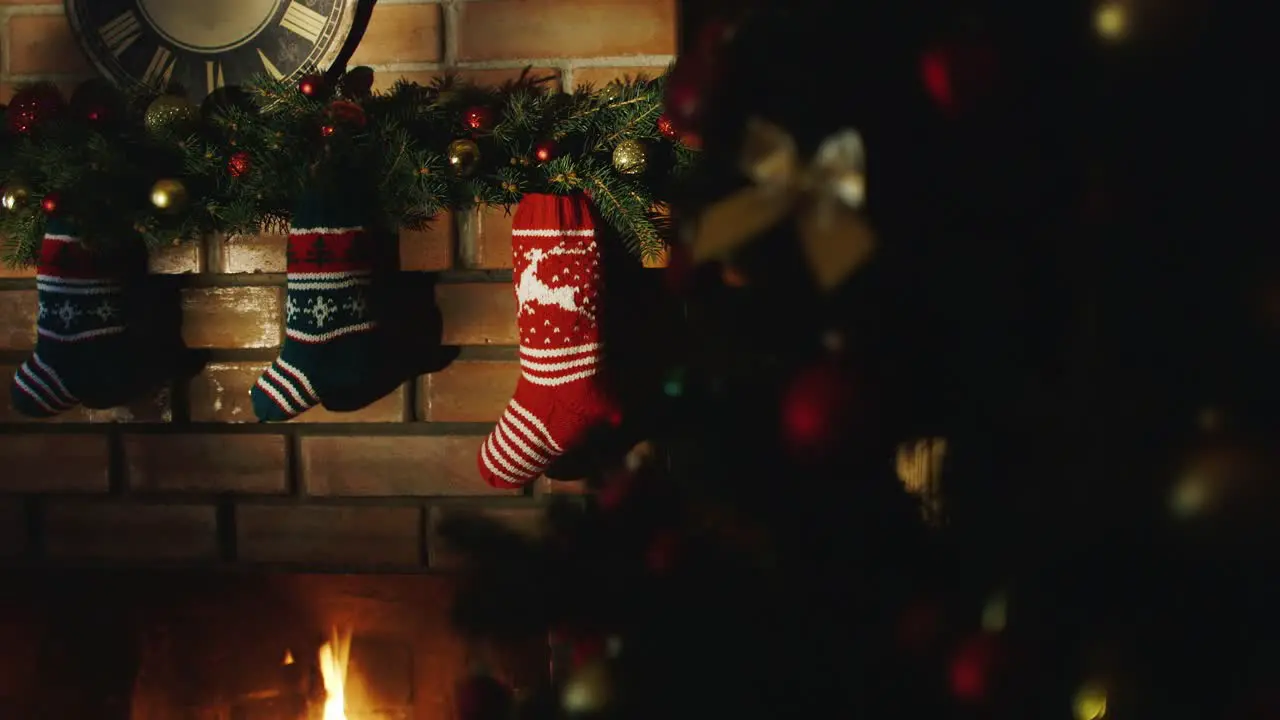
column 392, row 148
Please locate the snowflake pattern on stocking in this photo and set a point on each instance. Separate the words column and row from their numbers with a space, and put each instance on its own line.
column 68, row 313
column 357, row 306
column 322, row 309
column 104, row 311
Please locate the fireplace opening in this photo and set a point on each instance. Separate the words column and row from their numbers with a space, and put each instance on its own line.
column 238, row 646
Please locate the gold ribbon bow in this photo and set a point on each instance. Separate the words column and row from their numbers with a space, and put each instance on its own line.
column 825, row 196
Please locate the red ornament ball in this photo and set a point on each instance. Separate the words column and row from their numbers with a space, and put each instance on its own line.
column 545, row 151
column 311, row 85
column 345, row 112
column 51, row 203
column 957, row 77
column 667, row 128
column 33, row 106
column 817, row 406
column 478, row 118
column 327, row 130
column 238, row 164
column 974, row 667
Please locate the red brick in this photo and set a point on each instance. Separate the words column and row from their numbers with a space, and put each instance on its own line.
column 248, row 464
column 239, row 317
column 183, row 258
column 478, row 314
column 131, row 531
column 154, row 407
column 428, row 249
column 13, row 528
column 220, row 393
column 547, row 486
column 400, row 34
column 264, row 253
column 485, row 241
column 329, row 535
column 22, row 271
column 54, row 463
column 17, row 319
column 527, row 520
column 502, row 29
column 599, row 77
column 468, row 391
column 43, row 44
column 420, row 465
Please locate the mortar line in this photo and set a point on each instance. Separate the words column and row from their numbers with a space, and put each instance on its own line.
column 452, row 63
column 450, row 19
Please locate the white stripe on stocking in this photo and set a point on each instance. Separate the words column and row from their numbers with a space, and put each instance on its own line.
column 555, row 232
column 558, row 352
column 500, row 439
column 534, row 421
column 484, row 457
column 265, row 387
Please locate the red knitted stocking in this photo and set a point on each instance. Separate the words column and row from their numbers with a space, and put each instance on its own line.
column 559, row 396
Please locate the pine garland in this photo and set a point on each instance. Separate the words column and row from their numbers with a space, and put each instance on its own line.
column 393, row 155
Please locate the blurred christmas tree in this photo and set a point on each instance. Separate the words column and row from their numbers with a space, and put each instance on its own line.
column 972, row 405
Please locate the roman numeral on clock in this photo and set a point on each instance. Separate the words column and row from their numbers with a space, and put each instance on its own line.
column 213, row 77
column 160, row 69
column 304, row 21
column 269, row 66
column 121, row 32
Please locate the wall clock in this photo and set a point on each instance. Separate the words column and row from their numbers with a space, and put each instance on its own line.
column 203, row 45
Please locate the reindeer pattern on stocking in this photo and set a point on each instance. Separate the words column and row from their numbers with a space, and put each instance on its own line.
column 558, row 285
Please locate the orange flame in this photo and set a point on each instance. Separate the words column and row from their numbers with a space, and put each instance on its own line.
column 333, row 671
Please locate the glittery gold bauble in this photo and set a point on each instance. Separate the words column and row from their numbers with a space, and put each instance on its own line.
column 15, row 196
column 589, row 690
column 464, row 157
column 610, row 92
column 630, row 157
column 169, row 195
column 171, row 115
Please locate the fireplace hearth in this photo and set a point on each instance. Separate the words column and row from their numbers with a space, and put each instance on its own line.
column 159, row 645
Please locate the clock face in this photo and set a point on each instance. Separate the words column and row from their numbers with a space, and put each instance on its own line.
column 203, row 45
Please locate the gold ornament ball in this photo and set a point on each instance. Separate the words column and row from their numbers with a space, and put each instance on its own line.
column 464, row 157
column 630, row 157
column 611, row 92
column 1091, row 702
column 589, row 690
column 15, row 196
column 171, row 114
column 169, row 194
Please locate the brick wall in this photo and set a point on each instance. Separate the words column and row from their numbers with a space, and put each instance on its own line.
column 186, row 477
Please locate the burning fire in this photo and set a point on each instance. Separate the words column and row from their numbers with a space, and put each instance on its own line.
column 333, row 671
